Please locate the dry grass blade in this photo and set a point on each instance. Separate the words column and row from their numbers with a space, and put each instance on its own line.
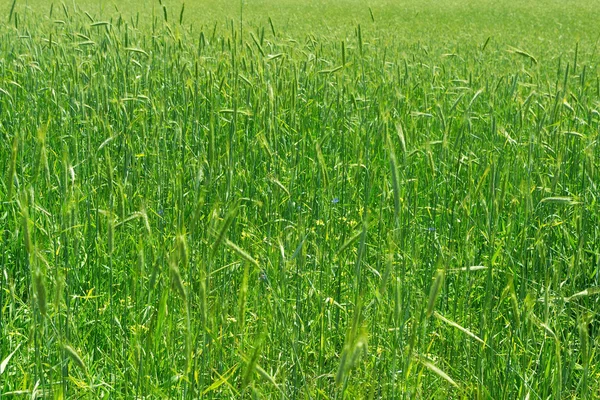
column 457, row 326
column 350, row 241
column 436, row 370
column 560, row 200
column 12, row 166
column 395, row 180
column 5, row 362
column 584, row 293
column 75, row 357
column 176, row 279
column 223, row 380
column 468, row 269
column 251, row 366
column 322, row 164
column 268, row 377
column 523, row 54
column 435, row 291
column 40, row 292
column 240, row 252
column 221, row 235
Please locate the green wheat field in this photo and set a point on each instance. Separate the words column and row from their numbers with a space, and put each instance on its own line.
column 319, row 199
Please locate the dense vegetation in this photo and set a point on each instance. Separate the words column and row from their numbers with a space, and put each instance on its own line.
column 268, row 200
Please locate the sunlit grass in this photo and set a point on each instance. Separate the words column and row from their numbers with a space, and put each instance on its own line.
column 220, row 209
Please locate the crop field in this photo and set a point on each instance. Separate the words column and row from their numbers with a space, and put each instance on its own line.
column 299, row 199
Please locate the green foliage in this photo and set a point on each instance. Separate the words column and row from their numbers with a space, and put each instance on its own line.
column 333, row 200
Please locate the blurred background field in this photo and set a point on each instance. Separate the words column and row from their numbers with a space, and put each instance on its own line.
column 550, row 23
